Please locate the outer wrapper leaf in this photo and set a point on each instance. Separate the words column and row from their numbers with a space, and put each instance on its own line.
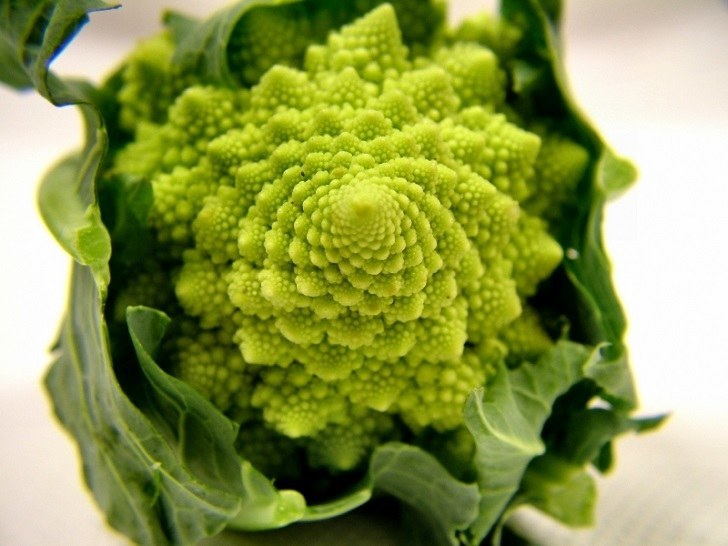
column 32, row 33
column 202, row 437
column 506, row 422
column 546, row 95
column 72, row 216
column 555, row 481
column 140, row 478
column 202, row 45
column 560, row 489
column 161, row 466
column 444, row 505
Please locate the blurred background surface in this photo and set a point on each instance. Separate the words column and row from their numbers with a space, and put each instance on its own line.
column 652, row 74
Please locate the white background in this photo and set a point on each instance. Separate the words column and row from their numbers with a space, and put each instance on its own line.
column 652, row 74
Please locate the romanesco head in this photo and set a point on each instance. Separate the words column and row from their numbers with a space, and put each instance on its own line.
column 347, row 236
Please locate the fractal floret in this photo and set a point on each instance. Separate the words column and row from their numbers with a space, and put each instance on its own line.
column 332, row 252
column 355, row 228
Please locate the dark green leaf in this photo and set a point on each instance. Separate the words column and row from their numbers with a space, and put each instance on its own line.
column 135, row 473
column 605, row 458
column 648, row 424
column 33, row 33
column 202, row 437
column 560, row 489
column 588, row 431
column 202, row 45
column 599, row 317
column 180, row 26
column 444, row 504
column 553, row 9
column 506, row 421
column 265, row 507
column 125, row 204
column 12, row 71
column 612, row 373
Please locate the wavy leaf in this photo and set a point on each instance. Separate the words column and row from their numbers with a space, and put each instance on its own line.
column 444, row 505
column 32, row 34
column 202, row 45
column 137, row 475
column 75, row 223
column 599, row 317
column 506, row 421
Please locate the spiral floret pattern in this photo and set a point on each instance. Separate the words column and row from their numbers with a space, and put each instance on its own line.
column 362, row 235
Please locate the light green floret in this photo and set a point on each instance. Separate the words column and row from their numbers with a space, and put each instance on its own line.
column 202, row 291
column 533, row 253
column 178, row 198
column 196, row 117
column 525, row 338
column 476, row 74
column 209, row 361
column 174, row 157
column 559, row 168
column 334, row 432
column 216, row 225
column 504, row 154
column 295, row 402
column 150, row 83
column 279, row 35
column 422, row 21
column 151, row 287
column 493, row 301
column 375, row 50
column 355, row 225
column 267, row 36
column 439, row 390
column 345, row 444
column 489, row 31
column 274, row 454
